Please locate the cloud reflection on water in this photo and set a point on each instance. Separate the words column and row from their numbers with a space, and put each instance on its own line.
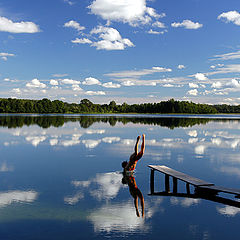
column 228, row 211
column 7, row 198
column 104, row 186
column 35, row 140
column 70, row 135
column 118, row 218
column 121, row 217
column 89, row 143
column 5, row 168
column 112, row 216
column 184, row 202
column 199, row 141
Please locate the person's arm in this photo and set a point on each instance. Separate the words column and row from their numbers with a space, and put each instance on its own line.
column 140, row 154
column 143, row 144
column 136, row 145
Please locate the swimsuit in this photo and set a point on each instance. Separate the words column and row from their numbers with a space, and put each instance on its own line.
column 132, row 166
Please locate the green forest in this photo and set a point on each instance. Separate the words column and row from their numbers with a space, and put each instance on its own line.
column 44, row 106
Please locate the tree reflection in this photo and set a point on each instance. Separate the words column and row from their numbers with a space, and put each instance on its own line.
column 85, row 121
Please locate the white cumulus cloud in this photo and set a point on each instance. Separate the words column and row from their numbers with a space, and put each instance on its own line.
column 152, row 12
column 76, row 87
column 234, row 83
column 133, row 12
column 188, row 24
column 180, row 66
column 168, row 85
column 82, row 41
column 91, row 81
column 193, row 92
column 193, row 85
column 231, row 16
column 110, row 39
column 53, row 82
column 92, row 93
column 7, row 25
column 16, row 91
column 161, row 69
column 216, row 85
column 158, row 24
column 200, row 76
column 75, row 25
column 128, row 83
column 111, row 85
column 35, row 83
column 70, row 81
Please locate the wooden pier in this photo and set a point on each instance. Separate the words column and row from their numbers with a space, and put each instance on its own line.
column 201, row 187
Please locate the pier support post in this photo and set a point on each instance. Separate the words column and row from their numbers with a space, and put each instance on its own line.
column 188, row 188
column 167, row 186
column 174, row 185
column 152, row 181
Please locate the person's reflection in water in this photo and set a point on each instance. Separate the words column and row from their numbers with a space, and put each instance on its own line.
column 128, row 178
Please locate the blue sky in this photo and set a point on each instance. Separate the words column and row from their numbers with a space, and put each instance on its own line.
column 128, row 51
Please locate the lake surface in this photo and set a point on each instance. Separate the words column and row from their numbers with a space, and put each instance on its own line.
column 60, row 176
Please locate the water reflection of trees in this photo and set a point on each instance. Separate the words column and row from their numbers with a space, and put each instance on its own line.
column 46, row 121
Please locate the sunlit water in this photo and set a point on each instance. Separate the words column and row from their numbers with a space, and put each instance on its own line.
column 60, row 177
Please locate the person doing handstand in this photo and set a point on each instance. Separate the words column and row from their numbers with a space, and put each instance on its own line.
column 131, row 164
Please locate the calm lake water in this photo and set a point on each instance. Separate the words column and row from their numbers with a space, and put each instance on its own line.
column 60, row 176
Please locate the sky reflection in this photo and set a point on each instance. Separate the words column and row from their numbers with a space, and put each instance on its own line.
column 75, row 171
column 112, row 215
column 199, row 140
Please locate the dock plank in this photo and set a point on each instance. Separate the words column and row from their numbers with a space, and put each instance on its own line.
column 222, row 189
column 179, row 175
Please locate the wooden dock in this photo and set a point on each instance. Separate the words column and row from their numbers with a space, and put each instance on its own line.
column 201, row 186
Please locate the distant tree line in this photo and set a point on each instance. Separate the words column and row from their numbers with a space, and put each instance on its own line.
column 10, row 105
column 224, row 108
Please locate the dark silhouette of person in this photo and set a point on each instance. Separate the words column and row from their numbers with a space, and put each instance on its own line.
column 134, row 191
